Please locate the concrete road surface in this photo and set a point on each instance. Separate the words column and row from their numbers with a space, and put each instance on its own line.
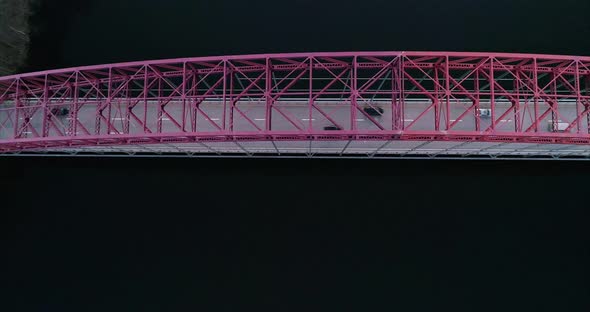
column 299, row 113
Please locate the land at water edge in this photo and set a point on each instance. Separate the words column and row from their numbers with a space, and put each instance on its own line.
column 15, row 32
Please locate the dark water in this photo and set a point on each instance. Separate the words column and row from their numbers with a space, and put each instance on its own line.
column 101, row 31
column 175, row 235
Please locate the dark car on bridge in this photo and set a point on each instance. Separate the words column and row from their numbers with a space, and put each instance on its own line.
column 373, row 111
column 60, row 111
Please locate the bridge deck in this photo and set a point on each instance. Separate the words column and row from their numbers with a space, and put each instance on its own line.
column 365, row 103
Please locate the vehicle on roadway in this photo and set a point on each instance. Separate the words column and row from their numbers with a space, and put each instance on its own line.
column 60, row 111
column 558, row 126
column 373, row 111
column 332, row 128
column 485, row 112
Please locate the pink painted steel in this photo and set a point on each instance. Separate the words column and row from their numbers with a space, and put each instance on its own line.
column 427, row 96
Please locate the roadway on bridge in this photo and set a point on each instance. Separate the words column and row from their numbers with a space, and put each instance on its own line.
column 299, row 113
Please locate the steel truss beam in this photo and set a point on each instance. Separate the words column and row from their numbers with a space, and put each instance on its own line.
column 324, row 97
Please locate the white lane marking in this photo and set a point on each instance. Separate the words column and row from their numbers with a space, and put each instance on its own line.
column 409, row 120
column 506, row 120
column 165, row 119
column 259, row 119
column 114, row 132
column 453, row 120
column 27, row 132
column 360, row 119
column 215, row 119
column 307, row 119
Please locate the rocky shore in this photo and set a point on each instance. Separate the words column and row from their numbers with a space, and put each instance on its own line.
column 14, row 34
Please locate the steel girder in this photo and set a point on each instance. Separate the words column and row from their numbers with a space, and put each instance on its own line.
column 379, row 96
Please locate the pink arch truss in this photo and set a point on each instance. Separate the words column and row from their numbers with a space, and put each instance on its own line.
column 344, row 103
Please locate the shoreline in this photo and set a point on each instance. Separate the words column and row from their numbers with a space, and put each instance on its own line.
column 15, row 34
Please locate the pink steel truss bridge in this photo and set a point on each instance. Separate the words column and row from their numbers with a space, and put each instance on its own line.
column 370, row 104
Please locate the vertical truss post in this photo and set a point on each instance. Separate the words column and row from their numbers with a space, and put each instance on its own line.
column 354, row 93
column 145, row 99
column 109, row 118
column 74, row 109
column 46, row 113
column 535, row 95
column 224, row 94
column 183, row 96
column 193, row 100
column 553, row 96
column 436, row 99
column 232, row 101
column 492, row 95
column 17, row 104
column 160, row 102
column 447, row 92
column 401, row 93
column 394, row 101
column 310, row 99
column 579, row 109
column 99, row 105
column 267, row 95
column 586, row 88
column 476, row 101
column 517, row 121
column 128, row 108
